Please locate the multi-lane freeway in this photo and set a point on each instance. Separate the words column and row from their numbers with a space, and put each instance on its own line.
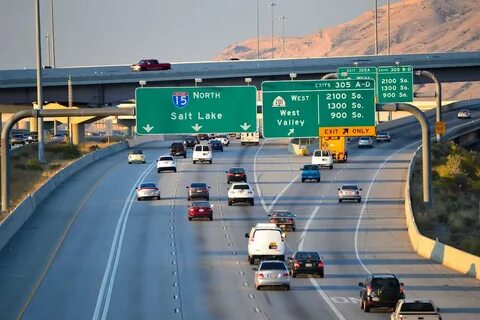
column 91, row 251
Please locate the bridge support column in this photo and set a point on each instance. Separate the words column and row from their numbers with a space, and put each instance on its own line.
column 33, row 124
column 78, row 133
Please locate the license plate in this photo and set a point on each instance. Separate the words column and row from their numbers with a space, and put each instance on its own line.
column 201, row 210
column 273, row 276
column 282, row 226
column 375, row 299
column 308, row 265
column 273, row 245
column 199, row 190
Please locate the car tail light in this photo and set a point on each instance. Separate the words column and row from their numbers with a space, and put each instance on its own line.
column 320, row 264
column 231, row 174
column 260, row 275
column 273, row 220
column 286, row 275
column 291, row 220
column 296, row 264
column 369, row 290
column 402, row 290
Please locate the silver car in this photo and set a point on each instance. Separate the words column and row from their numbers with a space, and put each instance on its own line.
column 349, row 192
column 272, row 273
column 365, row 142
column 464, row 114
column 148, row 190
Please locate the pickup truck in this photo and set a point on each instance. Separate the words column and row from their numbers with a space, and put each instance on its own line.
column 415, row 310
column 150, row 64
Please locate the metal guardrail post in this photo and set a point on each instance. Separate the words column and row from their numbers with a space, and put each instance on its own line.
column 5, row 143
column 438, row 94
column 426, row 162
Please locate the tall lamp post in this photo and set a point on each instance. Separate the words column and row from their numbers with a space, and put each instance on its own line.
column 52, row 30
column 258, row 32
column 388, row 24
column 41, row 138
column 376, row 27
column 283, row 18
column 272, row 5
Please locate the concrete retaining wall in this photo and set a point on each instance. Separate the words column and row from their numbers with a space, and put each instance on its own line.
column 450, row 257
column 25, row 209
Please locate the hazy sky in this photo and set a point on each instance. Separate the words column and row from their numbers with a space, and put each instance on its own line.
column 103, row 32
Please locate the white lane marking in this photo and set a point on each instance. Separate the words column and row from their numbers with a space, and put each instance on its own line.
column 307, row 226
column 366, row 202
column 115, row 249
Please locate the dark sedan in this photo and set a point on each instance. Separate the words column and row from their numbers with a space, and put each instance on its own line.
column 284, row 219
column 190, row 142
column 200, row 210
column 236, row 175
column 306, row 262
column 216, row 145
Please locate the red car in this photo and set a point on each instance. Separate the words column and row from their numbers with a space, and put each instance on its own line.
column 150, row 64
column 200, row 210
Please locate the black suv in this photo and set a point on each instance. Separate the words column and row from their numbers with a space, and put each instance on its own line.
column 380, row 290
column 178, row 149
column 190, row 142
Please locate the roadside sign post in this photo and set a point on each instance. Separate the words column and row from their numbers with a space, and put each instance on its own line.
column 440, row 127
column 293, row 109
column 192, row 110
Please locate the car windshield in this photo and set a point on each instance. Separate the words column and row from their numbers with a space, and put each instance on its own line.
column 176, row 145
column 272, row 266
column 417, row 307
column 198, row 185
column 241, row 187
column 282, row 214
column 307, row 255
column 148, row 185
column 311, row 167
column 383, row 133
column 349, row 187
column 166, row 159
column 364, row 139
column 200, row 204
column 379, row 283
column 237, row 170
column 136, row 152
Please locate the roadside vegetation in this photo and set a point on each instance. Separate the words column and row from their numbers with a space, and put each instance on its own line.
column 454, row 217
column 27, row 174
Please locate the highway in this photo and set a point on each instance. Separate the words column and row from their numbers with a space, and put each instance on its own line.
column 91, row 251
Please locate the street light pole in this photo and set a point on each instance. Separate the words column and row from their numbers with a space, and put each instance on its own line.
column 283, row 18
column 258, row 32
column 388, row 25
column 52, row 30
column 49, row 57
column 376, row 27
column 41, row 146
column 272, row 4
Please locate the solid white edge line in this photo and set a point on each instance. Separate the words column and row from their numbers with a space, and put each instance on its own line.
column 113, row 247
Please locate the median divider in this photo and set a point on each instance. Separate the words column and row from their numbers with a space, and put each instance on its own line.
column 449, row 256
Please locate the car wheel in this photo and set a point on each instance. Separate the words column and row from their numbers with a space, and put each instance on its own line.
column 366, row 307
column 229, row 202
column 210, row 218
column 144, row 162
column 359, row 200
column 252, row 203
column 293, row 229
column 287, row 287
column 322, row 275
column 228, row 181
column 340, row 200
column 194, row 161
column 331, row 167
column 158, row 170
column 208, row 198
column 294, row 275
column 189, row 219
column 303, row 180
column 184, row 156
column 258, row 288
column 251, row 260
column 210, row 161
column 139, row 199
column 129, row 162
column 318, row 180
column 361, row 304
column 158, row 198
column 175, row 170
column 188, row 198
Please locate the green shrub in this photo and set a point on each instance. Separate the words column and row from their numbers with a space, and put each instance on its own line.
column 20, row 166
column 71, row 151
column 33, row 164
column 54, row 166
column 93, row 148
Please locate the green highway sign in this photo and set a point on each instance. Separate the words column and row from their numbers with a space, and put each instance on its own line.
column 295, row 109
column 395, row 84
column 357, row 73
column 192, row 110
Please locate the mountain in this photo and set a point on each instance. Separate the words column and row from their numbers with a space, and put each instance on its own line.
column 416, row 26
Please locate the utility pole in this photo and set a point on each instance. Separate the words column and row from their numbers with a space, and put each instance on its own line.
column 41, row 138
column 49, row 57
column 376, row 27
column 283, row 18
column 52, row 30
column 70, row 105
column 388, row 24
column 258, row 32
column 272, row 4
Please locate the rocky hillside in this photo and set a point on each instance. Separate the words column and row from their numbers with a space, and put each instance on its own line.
column 445, row 25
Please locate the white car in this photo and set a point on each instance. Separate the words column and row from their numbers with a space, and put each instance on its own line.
column 464, row 114
column 166, row 162
column 148, row 190
column 136, row 156
column 240, row 192
column 202, row 153
column 265, row 241
column 223, row 139
column 365, row 142
column 323, row 158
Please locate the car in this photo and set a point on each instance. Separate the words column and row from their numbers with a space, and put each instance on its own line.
column 272, row 273
column 265, row 241
column 32, row 137
column 383, row 136
column 464, row 114
column 200, row 209
column 284, row 219
column 416, row 309
column 240, row 192
column 198, row 190
column 349, row 192
column 203, row 136
column 178, row 149
column 190, row 141
column 150, row 64
column 202, row 153
column 17, row 138
column 136, row 156
column 323, row 158
column 380, row 290
column 365, row 142
column 166, row 162
column 58, row 137
column 236, row 174
column 148, row 190
column 306, row 262
column 223, row 139
column 310, row 172
column 216, row 145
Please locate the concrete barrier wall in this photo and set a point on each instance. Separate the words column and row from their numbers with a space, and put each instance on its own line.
column 450, row 257
column 25, row 209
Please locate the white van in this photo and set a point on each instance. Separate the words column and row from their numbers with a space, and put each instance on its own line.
column 265, row 241
column 249, row 138
column 323, row 158
column 203, row 153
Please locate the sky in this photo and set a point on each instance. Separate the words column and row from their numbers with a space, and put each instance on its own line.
column 116, row 32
